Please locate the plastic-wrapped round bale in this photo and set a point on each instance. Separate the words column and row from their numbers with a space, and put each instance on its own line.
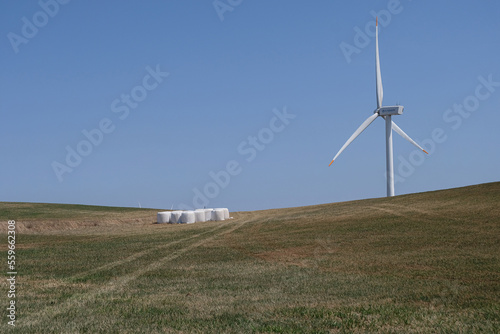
column 188, row 217
column 225, row 212
column 175, row 217
column 218, row 214
column 163, row 217
column 199, row 215
column 208, row 214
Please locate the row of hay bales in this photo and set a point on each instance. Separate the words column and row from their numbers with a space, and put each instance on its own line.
column 190, row 217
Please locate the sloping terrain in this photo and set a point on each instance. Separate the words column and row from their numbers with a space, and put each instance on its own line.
column 420, row 263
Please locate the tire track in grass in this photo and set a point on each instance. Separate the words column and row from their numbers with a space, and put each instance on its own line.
column 74, row 278
column 83, row 299
column 406, row 212
column 420, row 214
column 138, row 255
column 397, row 213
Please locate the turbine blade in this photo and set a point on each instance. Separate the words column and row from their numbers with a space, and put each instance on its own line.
column 380, row 89
column 405, row 136
column 361, row 128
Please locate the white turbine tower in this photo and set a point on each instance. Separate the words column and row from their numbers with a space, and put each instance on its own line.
column 386, row 113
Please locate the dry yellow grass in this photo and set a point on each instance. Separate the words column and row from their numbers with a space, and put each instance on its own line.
column 420, row 263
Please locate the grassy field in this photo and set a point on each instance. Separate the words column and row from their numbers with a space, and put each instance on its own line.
column 421, row 263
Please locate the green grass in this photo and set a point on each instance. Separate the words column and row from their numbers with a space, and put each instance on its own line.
column 59, row 211
column 421, row 263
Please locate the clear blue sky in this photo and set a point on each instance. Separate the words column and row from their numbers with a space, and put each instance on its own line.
column 71, row 67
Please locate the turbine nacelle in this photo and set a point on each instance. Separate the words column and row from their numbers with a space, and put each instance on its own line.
column 390, row 111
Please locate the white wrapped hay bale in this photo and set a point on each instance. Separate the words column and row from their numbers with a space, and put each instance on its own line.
column 199, row 215
column 225, row 212
column 175, row 217
column 218, row 214
column 208, row 214
column 188, row 217
column 163, row 217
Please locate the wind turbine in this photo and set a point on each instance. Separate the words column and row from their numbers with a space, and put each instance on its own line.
column 386, row 113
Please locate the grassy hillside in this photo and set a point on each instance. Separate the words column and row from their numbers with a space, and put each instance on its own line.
column 54, row 218
column 421, row 263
